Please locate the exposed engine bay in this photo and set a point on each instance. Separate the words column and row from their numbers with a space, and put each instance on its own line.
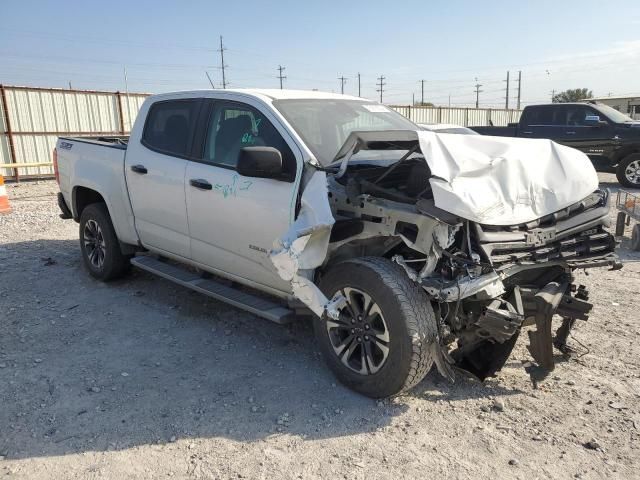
column 485, row 280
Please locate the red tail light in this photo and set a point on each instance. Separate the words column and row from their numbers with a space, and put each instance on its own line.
column 55, row 165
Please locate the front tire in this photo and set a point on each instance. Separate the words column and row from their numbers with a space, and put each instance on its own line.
column 383, row 343
column 99, row 244
column 628, row 171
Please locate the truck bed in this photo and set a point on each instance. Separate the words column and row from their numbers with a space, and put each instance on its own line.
column 96, row 164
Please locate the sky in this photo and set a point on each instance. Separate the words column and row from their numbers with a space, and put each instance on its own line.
column 168, row 45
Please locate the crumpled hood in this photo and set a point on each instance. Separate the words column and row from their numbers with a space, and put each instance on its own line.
column 502, row 180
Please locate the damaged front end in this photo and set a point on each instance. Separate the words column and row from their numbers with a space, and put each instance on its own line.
column 493, row 247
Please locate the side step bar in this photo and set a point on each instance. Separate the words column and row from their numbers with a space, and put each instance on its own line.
column 257, row 305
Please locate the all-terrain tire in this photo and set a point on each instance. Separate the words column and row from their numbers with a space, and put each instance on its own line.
column 409, row 316
column 114, row 264
column 622, row 174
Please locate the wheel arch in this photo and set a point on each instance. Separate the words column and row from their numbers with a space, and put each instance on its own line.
column 625, row 152
column 81, row 197
column 382, row 246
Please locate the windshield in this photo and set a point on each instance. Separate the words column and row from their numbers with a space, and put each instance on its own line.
column 614, row 114
column 325, row 124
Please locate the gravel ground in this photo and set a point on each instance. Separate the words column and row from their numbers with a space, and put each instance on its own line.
column 143, row 379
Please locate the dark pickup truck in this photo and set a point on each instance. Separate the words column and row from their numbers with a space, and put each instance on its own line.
column 608, row 137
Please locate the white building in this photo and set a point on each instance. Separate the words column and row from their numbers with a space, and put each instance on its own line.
column 629, row 105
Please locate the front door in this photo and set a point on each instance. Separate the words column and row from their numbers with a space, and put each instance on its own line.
column 233, row 219
column 155, row 171
column 597, row 141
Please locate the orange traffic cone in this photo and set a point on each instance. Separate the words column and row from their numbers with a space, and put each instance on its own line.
column 4, row 198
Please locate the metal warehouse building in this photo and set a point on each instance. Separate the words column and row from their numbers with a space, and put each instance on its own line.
column 629, row 105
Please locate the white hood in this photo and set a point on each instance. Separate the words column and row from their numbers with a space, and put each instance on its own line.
column 502, row 180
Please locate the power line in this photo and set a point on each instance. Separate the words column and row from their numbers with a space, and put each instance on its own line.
column 478, row 91
column 222, row 65
column 380, row 84
column 343, row 80
column 280, row 76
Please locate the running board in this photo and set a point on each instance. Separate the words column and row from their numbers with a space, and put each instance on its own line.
column 257, row 305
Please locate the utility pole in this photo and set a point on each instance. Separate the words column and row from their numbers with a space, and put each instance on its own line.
column 413, row 99
column 380, row 84
column 519, row 87
column 280, row 76
column 553, row 94
column 126, row 92
column 222, row 65
column 478, row 91
column 343, row 80
column 422, row 98
column 506, row 98
column 359, row 84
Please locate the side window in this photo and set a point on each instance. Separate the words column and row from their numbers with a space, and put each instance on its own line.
column 169, row 126
column 577, row 114
column 541, row 116
column 233, row 126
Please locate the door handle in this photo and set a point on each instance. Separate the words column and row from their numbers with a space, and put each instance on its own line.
column 141, row 169
column 570, row 133
column 200, row 183
column 527, row 133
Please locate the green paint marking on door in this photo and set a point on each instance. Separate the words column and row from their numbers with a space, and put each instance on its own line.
column 231, row 189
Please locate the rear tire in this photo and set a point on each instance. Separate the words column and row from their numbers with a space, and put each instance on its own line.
column 628, row 171
column 99, row 244
column 397, row 316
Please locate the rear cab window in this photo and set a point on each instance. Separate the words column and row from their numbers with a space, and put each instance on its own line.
column 543, row 116
column 169, row 126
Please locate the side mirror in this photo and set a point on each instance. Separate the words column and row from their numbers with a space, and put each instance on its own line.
column 260, row 162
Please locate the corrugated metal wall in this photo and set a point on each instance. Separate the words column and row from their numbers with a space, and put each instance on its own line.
column 466, row 117
column 38, row 116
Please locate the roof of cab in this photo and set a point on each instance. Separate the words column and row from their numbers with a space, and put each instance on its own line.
column 270, row 93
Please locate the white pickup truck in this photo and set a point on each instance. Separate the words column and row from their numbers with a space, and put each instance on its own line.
column 408, row 247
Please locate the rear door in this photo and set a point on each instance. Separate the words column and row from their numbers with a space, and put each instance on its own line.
column 544, row 121
column 233, row 219
column 155, row 171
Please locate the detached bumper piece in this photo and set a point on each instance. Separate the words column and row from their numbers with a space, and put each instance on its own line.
column 553, row 299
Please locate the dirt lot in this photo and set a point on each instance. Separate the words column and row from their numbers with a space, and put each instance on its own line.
column 143, row 379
